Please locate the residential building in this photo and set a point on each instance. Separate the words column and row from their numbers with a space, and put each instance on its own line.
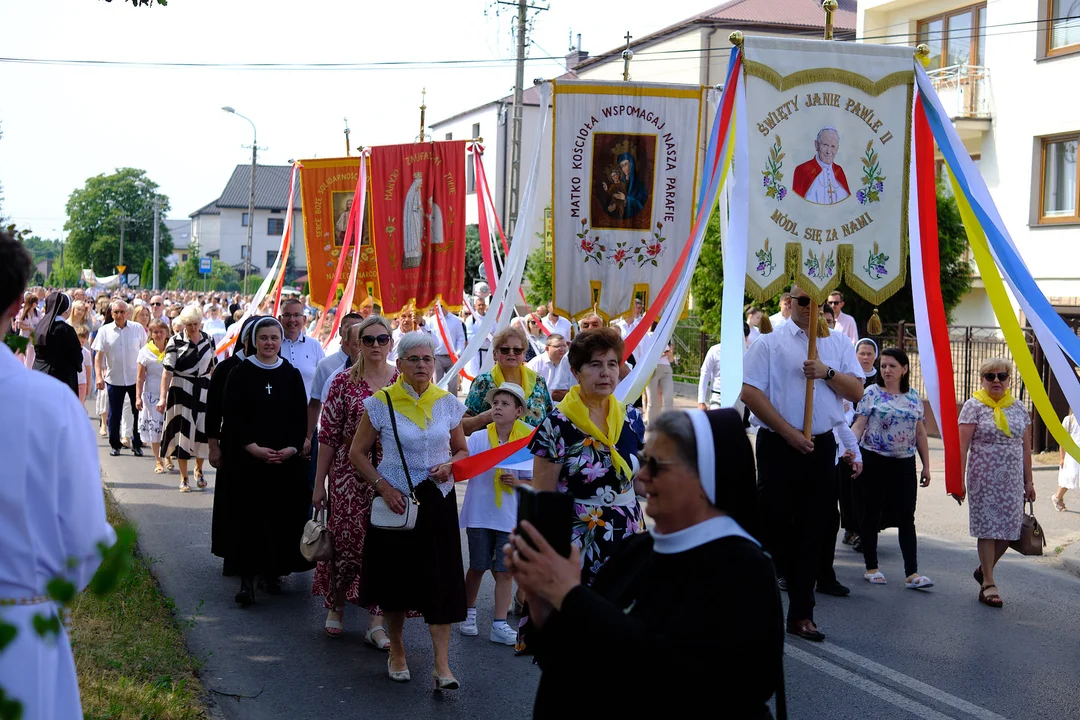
column 180, row 232
column 220, row 228
column 1005, row 72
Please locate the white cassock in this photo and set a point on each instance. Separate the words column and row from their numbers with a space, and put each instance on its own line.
column 412, row 221
column 51, row 510
column 825, row 190
column 436, row 225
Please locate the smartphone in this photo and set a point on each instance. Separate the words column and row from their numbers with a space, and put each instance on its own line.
column 551, row 513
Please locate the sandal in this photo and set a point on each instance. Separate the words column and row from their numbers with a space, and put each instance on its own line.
column 978, row 575
column 921, row 582
column 184, row 487
column 369, row 638
column 200, row 481
column 990, row 599
column 1059, row 504
column 334, row 628
column 168, row 465
column 159, row 468
column 876, row 578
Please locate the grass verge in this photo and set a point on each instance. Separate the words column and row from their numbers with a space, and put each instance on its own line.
column 129, row 650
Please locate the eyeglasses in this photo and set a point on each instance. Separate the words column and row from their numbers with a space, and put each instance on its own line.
column 651, row 464
column 1001, row 376
column 834, row 302
column 803, row 301
column 512, row 350
column 416, row 360
column 291, row 316
column 370, row 340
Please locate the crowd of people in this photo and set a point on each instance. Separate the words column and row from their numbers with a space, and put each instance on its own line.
column 360, row 429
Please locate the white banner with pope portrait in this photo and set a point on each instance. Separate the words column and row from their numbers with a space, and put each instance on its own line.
column 829, row 127
column 625, row 166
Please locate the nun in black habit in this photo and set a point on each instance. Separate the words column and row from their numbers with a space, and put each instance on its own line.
column 264, row 423
column 685, row 616
column 57, row 350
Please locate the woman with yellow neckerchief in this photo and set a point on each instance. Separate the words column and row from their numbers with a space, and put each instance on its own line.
column 509, row 346
column 585, row 447
column 148, row 387
column 995, row 455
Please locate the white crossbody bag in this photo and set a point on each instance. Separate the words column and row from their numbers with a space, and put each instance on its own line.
column 382, row 516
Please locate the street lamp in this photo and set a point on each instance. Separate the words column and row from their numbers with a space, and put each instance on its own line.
column 157, row 231
column 251, row 190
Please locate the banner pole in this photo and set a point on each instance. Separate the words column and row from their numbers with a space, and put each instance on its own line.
column 829, row 6
column 811, row 354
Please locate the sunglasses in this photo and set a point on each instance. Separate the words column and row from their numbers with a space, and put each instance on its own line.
column 370, row 340
column 834, row 302
column 803, row 301
column 155, row 304
column 990, row 377
column 512, row 351
column 651, row 464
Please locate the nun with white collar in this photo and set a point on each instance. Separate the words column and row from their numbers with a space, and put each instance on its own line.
column 686, row 615
column 264, row 423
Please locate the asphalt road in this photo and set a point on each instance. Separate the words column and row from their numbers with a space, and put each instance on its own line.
column 891, row 652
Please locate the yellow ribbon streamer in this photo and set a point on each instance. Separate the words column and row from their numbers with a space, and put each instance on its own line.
column 1010, row 326
column 576, row 412
column 528, row 379
column 998, row 407
column 517, row 431
column 419, row 411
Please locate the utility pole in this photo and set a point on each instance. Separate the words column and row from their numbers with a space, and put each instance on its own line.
column 157, row 240
column 120, row 264
column 251, row 212
column 523, row 8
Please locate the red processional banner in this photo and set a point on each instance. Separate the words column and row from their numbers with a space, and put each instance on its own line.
column 327, row 192
column 418, row 224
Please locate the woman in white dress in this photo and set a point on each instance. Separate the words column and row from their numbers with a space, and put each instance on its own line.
column 148, row 389
column 1069, row 474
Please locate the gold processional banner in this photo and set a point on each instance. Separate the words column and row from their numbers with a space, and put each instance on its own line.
column 829, row 128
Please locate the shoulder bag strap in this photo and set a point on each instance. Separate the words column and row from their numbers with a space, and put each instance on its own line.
column 397, row 439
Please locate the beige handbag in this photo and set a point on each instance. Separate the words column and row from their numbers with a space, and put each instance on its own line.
column 1032, row 539
column 382, row 516
column 317, row 544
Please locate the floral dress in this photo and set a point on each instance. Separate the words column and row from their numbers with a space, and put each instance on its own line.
column 892, row 421
column 587, row 474
column 995, row 471
column 537, row 405
column 348, row 497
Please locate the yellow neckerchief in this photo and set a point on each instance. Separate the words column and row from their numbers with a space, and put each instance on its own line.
column 528, row 379
column 419, row 411
column 576, row 412
column 999, row 408
column 517, row 431
column 160, row 355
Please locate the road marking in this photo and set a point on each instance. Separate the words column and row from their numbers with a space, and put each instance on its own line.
column 911, row 683
column 865, row 684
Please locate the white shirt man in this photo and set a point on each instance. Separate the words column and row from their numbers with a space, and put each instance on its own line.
column 783, row 314
column 554, row 323
column 708, row 394
column 302, row 351
column 549, row 363
column 476, row 365
column 844, row 323
column 119, row 343
column 332, row 364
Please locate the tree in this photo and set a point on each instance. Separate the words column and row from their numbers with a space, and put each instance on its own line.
column 146, row 278
column 538, row 275
column 473, row 257
column 222, row 275
column 93, row 224
column 707, row 284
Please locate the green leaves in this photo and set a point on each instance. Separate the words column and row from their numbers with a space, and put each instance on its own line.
column 10, row 708
column 47, row 626
column 115, row 561
column 60, row 590
column 16, row 343
column 7, row 634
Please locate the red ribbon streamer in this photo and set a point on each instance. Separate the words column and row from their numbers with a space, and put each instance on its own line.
column 480, row 463
column 446, row 342
column 653, row 311
column 350, row 232
column 483, row 199
column 935, row 306
column 359, row 198
column 283, row 253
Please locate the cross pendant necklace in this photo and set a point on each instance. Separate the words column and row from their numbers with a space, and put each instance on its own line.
column 268, row 388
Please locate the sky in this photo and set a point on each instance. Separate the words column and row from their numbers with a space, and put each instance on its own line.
column 63, row 123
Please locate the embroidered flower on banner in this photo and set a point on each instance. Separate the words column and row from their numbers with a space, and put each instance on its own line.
column 772, row 174
column 591, row 248
column 620, row 256
column 873, row 182
column 875, row 264
column 649, row 249
column 764, row 257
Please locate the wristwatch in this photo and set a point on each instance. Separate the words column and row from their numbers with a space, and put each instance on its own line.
column 830, row 375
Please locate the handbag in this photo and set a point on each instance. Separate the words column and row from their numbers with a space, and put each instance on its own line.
column 317, row 544
column 382, row 516
column 1032, row 538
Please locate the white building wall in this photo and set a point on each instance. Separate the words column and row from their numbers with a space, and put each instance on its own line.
column 461, row 128
column 233, row 236
column 206, row 230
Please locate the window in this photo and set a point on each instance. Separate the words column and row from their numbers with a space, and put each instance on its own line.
column 1058, row 200
column 956, row 38
column 449, row 136
column 1064, row 31
column 183, row 257
column 470, row 174
column 243, row 251
column 275, row 226
column 475, row 130
column 271, row 258
column 244, row 220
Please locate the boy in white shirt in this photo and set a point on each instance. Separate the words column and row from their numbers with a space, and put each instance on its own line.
column 489, row 511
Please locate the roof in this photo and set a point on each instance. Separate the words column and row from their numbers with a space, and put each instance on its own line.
column 209, row 208
column 758, row 15
column 180, row 230
column 271, row 188
column 529, row 96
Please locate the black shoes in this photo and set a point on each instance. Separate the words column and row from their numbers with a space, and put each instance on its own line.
column 270, row 585
column 781, row 583
column 246, row 596
column 834, row 588
column 806, row 630
column 114, row 452
column 137, row 452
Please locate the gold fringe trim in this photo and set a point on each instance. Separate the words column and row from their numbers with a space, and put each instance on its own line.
column 814, row 75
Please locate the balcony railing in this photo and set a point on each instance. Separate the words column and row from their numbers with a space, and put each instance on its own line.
column 964, row 91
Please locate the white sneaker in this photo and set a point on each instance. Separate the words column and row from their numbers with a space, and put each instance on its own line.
column 503, row 634
column 469, row 627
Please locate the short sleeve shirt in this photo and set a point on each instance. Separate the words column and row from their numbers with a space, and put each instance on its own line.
column 892, row 421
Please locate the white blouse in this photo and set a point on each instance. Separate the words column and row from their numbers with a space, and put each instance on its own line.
column 424, row 449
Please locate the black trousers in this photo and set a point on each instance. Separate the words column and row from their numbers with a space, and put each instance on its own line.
column 794, row 491
column 888, row 489
column 116, row 411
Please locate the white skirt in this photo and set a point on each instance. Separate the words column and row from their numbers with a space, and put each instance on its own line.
column 1069, row 474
